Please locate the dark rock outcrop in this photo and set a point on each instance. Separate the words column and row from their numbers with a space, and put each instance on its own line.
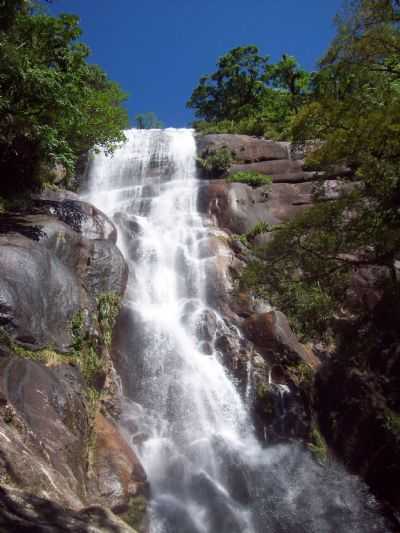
column 271, row 333
column 59, row 262
column 56, row 259
column 28, row 513
column 358, row 401
column 283, row 402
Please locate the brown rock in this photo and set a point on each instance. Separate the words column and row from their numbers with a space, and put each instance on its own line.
column 238, row 207
column 44, row 430
column 246, row 149
column 271, row 332
column 118, row 471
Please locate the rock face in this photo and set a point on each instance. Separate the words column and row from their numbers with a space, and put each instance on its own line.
column 354, row 394
column 358, row 401
column 56, row 259
column 237, row 207
column 282, row 369
column 271, row 332
column 118, row 472
column 59, row 261
column 283, row 403
column 23, row 512
column 245, row 149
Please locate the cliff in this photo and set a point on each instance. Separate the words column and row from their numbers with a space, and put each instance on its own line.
column 62, row 280
column 350, row 391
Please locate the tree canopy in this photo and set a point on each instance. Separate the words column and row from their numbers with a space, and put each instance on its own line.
column 54, row 105
column 148, row 121
column 247, row 94
column 354, row 117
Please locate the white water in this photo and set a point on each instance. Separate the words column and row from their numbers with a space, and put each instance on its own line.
column 182, row 411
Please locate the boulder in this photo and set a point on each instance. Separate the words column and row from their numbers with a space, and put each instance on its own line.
column 38, row 293
column 119, row 474
column 237, row 207
column 81, row 216
column 245, row 149
column 271, row 333
column 56, row 258
column 24, row 512
column 45, row 429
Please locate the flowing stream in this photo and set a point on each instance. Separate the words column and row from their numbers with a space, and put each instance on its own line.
column 183, row 413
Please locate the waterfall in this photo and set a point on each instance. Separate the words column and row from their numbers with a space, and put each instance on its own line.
column 182, row 411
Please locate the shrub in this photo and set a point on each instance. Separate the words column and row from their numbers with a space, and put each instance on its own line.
column 216, row 163
column 254, row 179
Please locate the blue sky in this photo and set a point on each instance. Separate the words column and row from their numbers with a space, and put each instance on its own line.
column 158, row 49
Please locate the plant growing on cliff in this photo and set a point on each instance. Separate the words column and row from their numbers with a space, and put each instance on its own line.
column 54, row 105
column 216, row 163
column 108, row 306
column 254, row 179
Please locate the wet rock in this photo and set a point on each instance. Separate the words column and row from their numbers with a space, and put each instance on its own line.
column 38, row 293
column 81, row 216
column 283, row 413
column 107, row 270
column 55, row 258
column 272, row 334
column 206, row 325
column 24, row 512
column 282, row 405
column 43, row 443
column 119, row 474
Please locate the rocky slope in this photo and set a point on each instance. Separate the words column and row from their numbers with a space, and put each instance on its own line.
column 64, row 464
column 353, row 397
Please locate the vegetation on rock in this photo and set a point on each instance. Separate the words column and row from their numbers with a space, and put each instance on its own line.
column 354, row 113
column 254, row 179
column 216, row 163
column 54, row 105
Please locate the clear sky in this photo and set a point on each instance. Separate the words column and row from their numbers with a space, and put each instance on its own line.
column 158, row 49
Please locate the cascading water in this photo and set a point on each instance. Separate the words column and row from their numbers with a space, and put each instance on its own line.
column 183, row 413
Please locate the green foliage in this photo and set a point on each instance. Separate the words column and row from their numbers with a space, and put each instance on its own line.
column 254, row 179
column 77, row 330
column 298, row 270
column 235, row 89
column 136, row 512
column 88, row 348
column 54, row 105
column 248, row 95
column 148, row 121
column 392, row 422
column 47, row 356
column 108, row 305
column 216, row 163
column 318, row 446
column 353, row 115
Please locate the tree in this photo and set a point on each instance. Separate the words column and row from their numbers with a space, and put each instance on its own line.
column 246, row 94
column 235, row 89
column 354, row 116
column 148, row 121
column 53, row 104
